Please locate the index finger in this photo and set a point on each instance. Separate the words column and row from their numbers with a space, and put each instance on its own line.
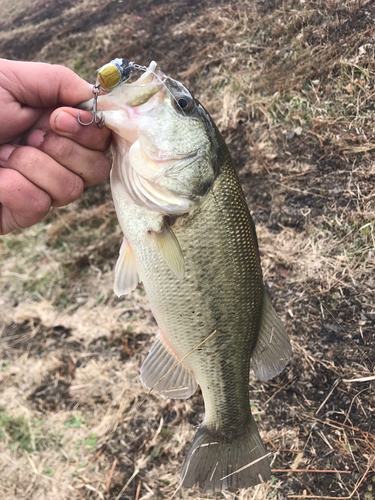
column 43, row 85
column 64, row 121
column 27, row 88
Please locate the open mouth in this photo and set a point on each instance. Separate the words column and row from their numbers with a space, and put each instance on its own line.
column 127, row 96
column 139, row 92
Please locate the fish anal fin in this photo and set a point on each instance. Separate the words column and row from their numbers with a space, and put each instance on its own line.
column 126, row 274
column 272, row 350
column 170, row 250
column 158, row 374
column 215, row 462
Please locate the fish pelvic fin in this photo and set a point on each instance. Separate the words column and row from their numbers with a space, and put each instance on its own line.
column 272, row 350
column 160, row 373
column 170, row 250
column 215, row 462
column 126, row 274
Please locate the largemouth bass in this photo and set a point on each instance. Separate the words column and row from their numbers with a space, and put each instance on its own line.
column 189, row 237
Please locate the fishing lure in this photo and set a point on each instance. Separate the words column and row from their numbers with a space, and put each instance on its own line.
column 109, row 77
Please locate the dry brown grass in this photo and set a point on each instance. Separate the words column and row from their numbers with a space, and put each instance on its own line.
column 291, row 86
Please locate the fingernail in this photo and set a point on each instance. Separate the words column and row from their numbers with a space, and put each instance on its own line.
column 6, row 151
column 36, row 138
column 66, row 123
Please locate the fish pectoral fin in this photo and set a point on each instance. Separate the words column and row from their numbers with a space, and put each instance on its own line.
column 272, row 350
column 160, row 373
column 170, row 250
column 126, row 274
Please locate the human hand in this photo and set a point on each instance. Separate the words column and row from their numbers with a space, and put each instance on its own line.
column 46, row 156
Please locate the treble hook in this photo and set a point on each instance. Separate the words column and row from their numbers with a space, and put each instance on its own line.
column 100, row 122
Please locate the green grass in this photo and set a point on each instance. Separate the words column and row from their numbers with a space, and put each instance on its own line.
column 23, row 433
column 75, row 421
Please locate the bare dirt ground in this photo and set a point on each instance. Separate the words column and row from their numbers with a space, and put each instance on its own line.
column 291, row 86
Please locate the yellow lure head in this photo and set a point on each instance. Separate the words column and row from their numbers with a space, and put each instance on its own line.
column 113, row 74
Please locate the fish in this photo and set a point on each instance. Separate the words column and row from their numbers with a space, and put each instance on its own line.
column 190, row 239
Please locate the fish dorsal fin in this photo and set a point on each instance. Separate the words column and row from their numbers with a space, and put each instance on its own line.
column 272, row 350
column 170, row 250
column 126, row 275
column 178, row 384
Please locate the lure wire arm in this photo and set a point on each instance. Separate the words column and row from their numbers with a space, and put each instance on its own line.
column 99, row 122
column 135, row 66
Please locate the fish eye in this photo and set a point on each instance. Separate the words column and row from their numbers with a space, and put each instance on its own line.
column 184, row 103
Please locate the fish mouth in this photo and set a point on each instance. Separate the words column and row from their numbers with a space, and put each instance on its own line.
column 147, row 86
column 151, row 75
column 132, row 96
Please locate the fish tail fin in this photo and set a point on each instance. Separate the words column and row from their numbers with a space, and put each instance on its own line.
column 215, row 462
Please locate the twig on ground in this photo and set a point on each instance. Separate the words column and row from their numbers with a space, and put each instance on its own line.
column 296, row 175
column 127, row 483
column 91, row 488
column 97, row 455
column 362, row 379
column 338, row 498
column 312, row 470
column 138, row 491
column 336, row 383
column 303, row 191
column 77, row 491
column 351, row 404
column 108, row 485
column 288, row 384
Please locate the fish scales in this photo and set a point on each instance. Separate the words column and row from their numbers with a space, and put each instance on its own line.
column 232, row 268
column 190, row 239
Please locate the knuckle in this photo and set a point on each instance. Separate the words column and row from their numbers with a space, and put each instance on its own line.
column 105, row 139
column 102, row 170
column 73, row 188
column 59, row 148
column 95, row 139
column 41, row 204
column 26, row 155
column 96, row 169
